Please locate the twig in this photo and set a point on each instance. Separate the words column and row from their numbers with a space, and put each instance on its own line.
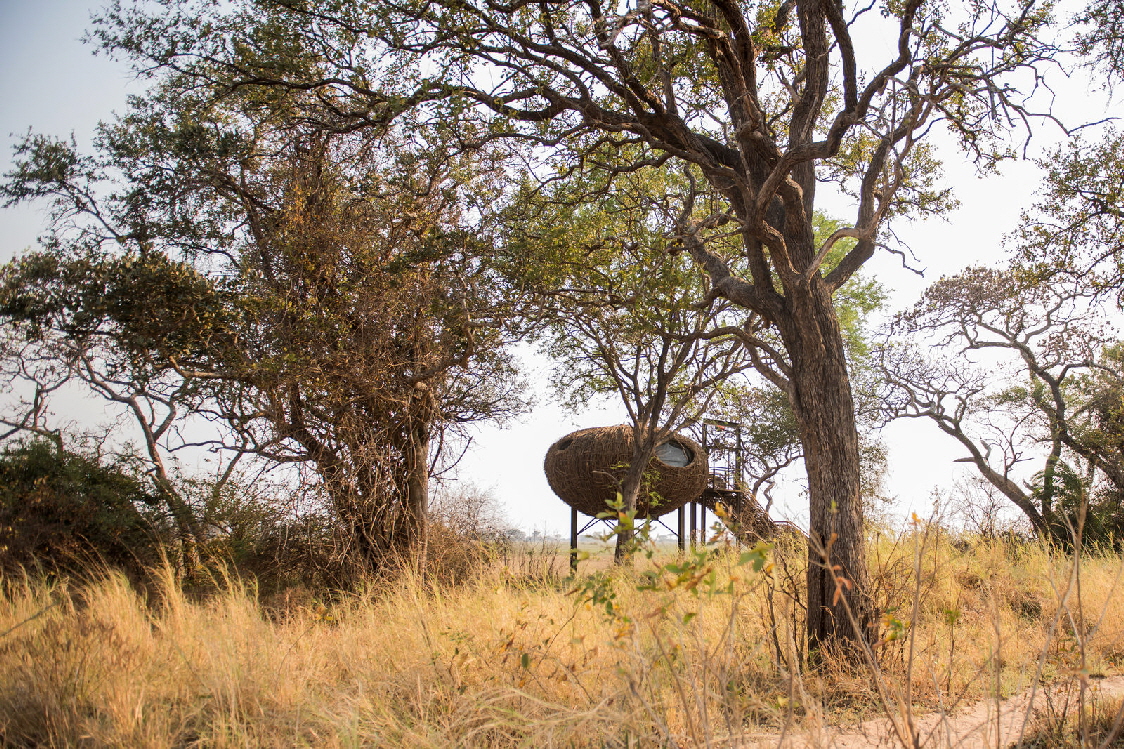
column 31, row 618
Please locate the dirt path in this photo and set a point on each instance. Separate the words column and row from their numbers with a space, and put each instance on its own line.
column 985, row 725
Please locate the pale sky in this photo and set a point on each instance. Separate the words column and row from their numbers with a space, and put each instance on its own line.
column 51, row 82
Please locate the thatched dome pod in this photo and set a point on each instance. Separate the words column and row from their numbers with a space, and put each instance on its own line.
column 585, row 468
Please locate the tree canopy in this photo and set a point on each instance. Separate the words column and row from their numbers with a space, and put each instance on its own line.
column 322, row 296
column 1024, row 376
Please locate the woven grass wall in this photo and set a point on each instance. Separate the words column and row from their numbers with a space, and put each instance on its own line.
column 585, row 469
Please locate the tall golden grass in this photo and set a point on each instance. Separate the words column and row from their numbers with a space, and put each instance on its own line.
column 707, row 654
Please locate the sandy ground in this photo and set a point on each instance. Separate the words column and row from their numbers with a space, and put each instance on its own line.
column 986, row 725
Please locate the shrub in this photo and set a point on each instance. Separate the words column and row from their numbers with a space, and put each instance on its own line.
column 58, row 508
column 467, row 532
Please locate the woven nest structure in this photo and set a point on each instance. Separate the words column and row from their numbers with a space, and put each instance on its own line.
column 585, row 469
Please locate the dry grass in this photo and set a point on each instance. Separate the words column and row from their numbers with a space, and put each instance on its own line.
column 518, row 657
column 1062, row 723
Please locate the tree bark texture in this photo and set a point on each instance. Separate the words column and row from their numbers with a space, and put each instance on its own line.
column 416, row 510
column 821, row 399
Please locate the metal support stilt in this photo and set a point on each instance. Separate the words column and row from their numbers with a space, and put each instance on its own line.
column 681, row 530
column 574, row 540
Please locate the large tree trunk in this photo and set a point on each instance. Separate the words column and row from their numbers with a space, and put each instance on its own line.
column 819, row 390
column 417, row 492
column 187, row 527
column 825, row 411
column 361, row 511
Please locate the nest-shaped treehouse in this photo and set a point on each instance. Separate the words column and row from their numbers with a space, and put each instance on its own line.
column 585, row 470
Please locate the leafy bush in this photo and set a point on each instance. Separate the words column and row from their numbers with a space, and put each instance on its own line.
column 58, row 508
column 1097, row 510
column 279, row 533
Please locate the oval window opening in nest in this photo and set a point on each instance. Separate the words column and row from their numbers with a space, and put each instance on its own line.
column 673, row 454
column 564, row 444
